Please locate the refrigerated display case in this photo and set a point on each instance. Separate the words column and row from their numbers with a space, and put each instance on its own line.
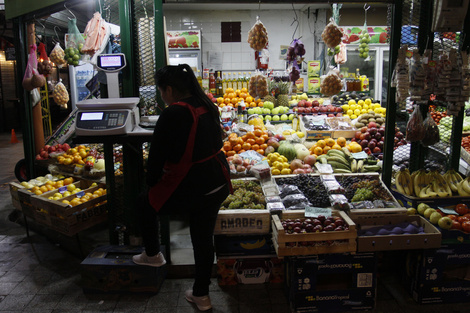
column 375, row 67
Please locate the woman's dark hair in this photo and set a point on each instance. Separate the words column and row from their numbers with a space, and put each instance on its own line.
column 182, row 79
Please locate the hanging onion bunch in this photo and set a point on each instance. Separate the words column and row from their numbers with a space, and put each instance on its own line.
column 295, row 53
column 258, row 36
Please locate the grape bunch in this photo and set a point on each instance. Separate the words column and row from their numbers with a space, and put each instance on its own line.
column 311, row 186
column 364, row 40
column 362, row 194
column 246, row 195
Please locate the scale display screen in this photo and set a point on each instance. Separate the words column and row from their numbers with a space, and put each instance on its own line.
column 93, row 116
column 111, row 62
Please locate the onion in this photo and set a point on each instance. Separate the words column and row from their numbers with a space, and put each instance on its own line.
column 296, row 164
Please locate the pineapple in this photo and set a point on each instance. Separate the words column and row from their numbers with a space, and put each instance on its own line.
column 272, row 87
column 283, row 98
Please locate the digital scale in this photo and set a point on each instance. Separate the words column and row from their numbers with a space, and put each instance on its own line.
column 113, row 115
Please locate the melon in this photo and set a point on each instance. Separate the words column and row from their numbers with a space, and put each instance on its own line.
column 287, row 149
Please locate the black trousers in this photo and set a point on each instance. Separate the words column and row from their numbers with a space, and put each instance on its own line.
column 202, row 211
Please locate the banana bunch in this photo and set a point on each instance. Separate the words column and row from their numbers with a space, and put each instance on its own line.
column 440, row 185
column 403, row 182
column 420, row 179
column 430, row 185
column 453, row 179
column 463, row 187
column 342, row 161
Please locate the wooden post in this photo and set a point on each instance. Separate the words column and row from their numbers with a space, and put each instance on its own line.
column 38, row 128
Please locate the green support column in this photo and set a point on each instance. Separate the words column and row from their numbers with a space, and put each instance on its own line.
column 390, row 119
column 160, row 49
column 126, row 22
column 456, row 140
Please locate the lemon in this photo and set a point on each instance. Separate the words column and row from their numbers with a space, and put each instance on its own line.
column 365, row 106
column 285, row 165
column 345, row 107
column 357, row 112
column 66, row 194
column 286, row 171
column 349, row 112
column 66, row 201
column 370, row 111
column 93, row 185
column 57, row 195
column 276, row 164
column 367, row 101
column 283, row 159
column 71, row 187
column 351, row 102
column 384, row 110
column 275, row 171
column 300, row 134
column 363, row 111
column 280, row 166
column 352, row 107
column 377, row 110
column 353, row 116
column 361, row 102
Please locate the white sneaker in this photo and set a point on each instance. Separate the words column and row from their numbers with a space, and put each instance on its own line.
column 203, row 303
column 143, row 259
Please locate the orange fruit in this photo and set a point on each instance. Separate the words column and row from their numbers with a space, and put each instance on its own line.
column 251, row 141
column 230, row 153
column 234, row 100
column 258, row 132
column 355, row 147
column 68, row 180
column 43, row 188
column 241, row 151
column 260, row 140
column 38, row 192
column 229, row 90
column 326, row 149
column 250, row 135
column 318, row 150
column 260, row 151
column 255, row 146
column 260, row 104
column 243, row 95
column 227, row 146
column 220, row 100
column 227, row 100
column 246, row 146
column 249, row 99
column 329, row 142
column 321, row 143
column 243, row 90
column 341, row 141
column 237, row 147
column 336, row 147
column 263, row 146
column 233, row 140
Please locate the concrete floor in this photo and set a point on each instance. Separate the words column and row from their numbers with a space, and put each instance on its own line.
column 41, row 273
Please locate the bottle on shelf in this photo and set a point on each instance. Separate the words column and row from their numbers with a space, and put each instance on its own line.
column 245, row 81
column 218, row 85
column 229, row 80
column 224, row 83
column 199, row 77
column 212, row 88
column 240, row 81
column 357, row 81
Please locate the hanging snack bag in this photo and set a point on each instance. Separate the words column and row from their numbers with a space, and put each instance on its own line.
column 44, row 65
column 415, row 130
column 60, row 94
column 331, row 35
column 258, row 86
column 331, row 84
column 30, row 69
column 258, row 36
column 431, row 132
column 58, row 56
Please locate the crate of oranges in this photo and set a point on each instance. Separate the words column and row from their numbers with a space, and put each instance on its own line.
column 71, row 208
column 256, row 140
column 232, row 98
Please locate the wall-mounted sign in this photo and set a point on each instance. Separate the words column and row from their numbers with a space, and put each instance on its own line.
column 184, row 39
column 10, row 54
column 378, row 34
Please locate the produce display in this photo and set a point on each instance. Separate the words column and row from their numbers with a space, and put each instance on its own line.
column 405, row 228
column 430, row 184
column 362, row 188
column 42, row 184
column 247, row 194
column 257, row 140
column 310, row 186
column 314, row 225
column 458, row 220
column 232, row 98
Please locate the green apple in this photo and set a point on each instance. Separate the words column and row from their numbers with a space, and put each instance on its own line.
column 258, row 110
column 422, row 207
column 445, row 223
column 276, row 118
column 268, row 118
column 276, row 110
column 284, row 117
column 428, row 212
column 291, row 116
column 411, row 211
column 266, row 111
column 251, row 111
column 435, row 217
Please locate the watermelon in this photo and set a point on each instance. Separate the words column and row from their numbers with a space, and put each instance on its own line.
column 287, row 149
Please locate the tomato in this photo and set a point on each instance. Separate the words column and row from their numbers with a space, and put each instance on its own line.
column 466, row 226
column 456, row 225
column 452, row 217
column 462, row 219
column 461, row 209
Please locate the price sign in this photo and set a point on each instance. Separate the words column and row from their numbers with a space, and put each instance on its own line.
column 315, row 212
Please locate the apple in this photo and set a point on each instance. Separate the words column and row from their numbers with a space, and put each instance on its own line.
column 377, row 150
column 367, row 136
column 372, row 125
column 357, row 135
column 367, row 150
column 378, row 136
column 310, row 159
column 315, row 103
column 308, row 110
column 308, row 104
column 329, row 227
column 428, row 212
column 422, row 207
column 46, row 148
column 339, row 228
column 435, row 217
column 301, row 110
column 44, row 154
column 445, row 222
column 301, row 103
column 321, row 218
column 364, row 129
column 279, row 137
column 315, row 109
column 51, row 149
column 309, row 228
column 316, row 222
column 364, row 143
column 339, row 222
column 373, row 130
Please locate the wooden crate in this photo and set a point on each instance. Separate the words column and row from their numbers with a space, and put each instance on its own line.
column 14, row 187
column 242, row 222
column 431, row 238
column 323, row 134
column 68, row 219
column 322, row 243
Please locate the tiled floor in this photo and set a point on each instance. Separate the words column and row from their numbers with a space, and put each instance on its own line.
column 41, row 273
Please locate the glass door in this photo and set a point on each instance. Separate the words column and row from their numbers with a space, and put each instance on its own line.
column 366, row 66
column 385, row 75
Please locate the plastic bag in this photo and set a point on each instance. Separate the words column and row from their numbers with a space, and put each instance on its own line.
column 331, row 84
column 44, row 65
column 35, row 96
column 415, row 128
column 258, row 86
column 331, row 35
column 258, row 36
column 58, row 56
column 341, row 57
column 285, row 190
column 60, row 94
column 75, row 39
column 431, row 131
column 30, row 68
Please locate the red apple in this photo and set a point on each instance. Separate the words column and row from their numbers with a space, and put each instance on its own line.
column 367, row 150
column 308, row 104
column 301, row 110
column 357, row 135
column 371, row 145
column 363, row 129
column 372, row 124
column 301, row 103
column 377, row 150
column 316, row 109
column 315, row 103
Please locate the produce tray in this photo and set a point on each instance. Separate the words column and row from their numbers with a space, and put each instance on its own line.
column 431, row 238
column 242, row 222
column 325, row 242
column 409, row 201
column 67, row 219
column 322, row 134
